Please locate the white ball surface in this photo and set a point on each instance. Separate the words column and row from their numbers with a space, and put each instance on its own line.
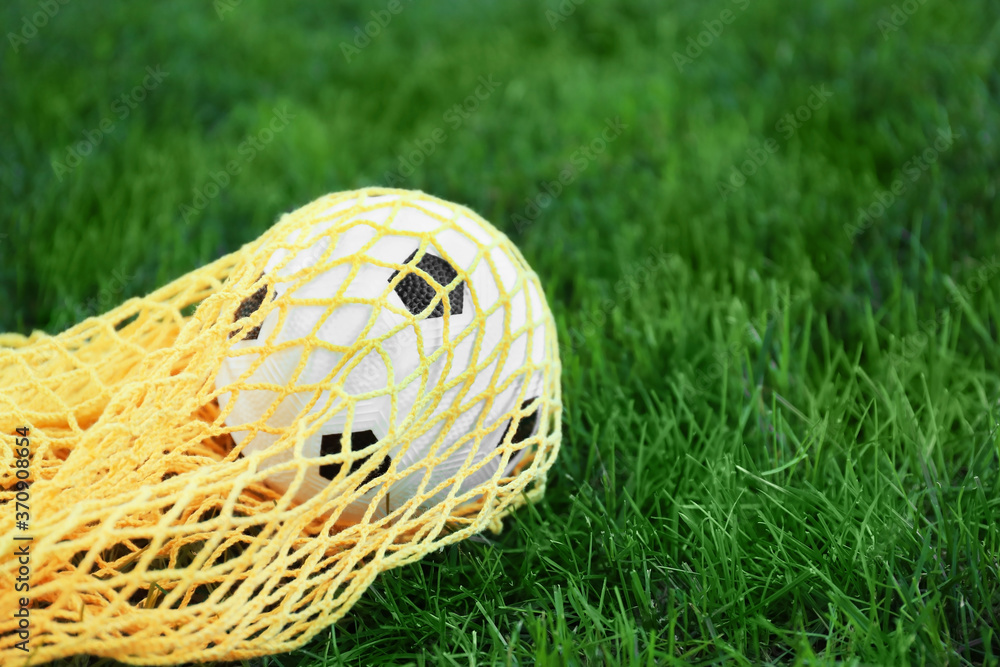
column 355, row 244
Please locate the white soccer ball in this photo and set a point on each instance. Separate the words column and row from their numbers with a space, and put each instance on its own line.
column 391, row 360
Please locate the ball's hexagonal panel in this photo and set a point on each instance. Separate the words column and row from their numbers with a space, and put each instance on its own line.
column 333, row 443
column 416, row 293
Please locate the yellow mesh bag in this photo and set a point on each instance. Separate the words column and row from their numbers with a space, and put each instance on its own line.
column 189, row 498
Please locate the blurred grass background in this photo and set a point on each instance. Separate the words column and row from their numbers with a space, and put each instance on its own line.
column 780, row 440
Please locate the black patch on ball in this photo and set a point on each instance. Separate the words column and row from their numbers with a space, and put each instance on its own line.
column 524, row 428
column 250, row 306
column 334, row 443
column 416, row 293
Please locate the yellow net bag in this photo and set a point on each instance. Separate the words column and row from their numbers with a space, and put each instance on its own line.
column 220, row 469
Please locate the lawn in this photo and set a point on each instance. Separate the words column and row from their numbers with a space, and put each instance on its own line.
column 768, row 231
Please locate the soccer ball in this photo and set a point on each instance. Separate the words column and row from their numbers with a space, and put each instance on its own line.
column 413, row 329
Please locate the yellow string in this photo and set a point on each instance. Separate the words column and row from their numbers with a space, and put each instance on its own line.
column 153, row 541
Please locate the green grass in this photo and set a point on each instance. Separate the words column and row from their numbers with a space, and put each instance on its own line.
column 780, row 442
